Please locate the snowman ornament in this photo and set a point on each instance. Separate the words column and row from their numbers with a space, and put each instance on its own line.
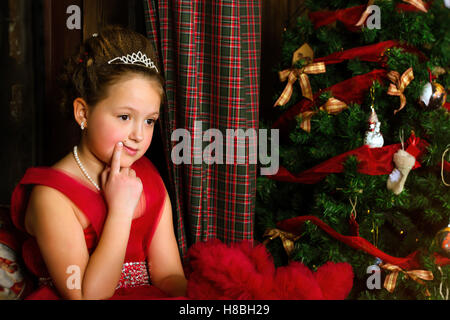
column 373, row 137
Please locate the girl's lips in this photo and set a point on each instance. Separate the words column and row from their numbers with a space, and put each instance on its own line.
column 130, row 151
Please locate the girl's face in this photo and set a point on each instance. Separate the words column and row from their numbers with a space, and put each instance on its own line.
column 128, row 114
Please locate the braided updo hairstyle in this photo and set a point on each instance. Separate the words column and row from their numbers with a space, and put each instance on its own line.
column 88, row 75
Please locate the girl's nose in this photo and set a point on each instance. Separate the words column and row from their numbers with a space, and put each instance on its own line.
column 137, row 133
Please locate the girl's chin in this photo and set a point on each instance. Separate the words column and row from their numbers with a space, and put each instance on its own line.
column 127, row 164
column 127, row 161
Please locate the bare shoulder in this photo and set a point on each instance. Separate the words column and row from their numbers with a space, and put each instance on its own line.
column 46, row 203
column 50, row 218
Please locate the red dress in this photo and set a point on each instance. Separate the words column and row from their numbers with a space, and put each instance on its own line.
column 135, row 281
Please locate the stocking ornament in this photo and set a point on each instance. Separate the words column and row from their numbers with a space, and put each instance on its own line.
column 404, row 162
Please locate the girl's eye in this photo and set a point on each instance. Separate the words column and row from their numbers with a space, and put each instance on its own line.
column 124, row 117
column 150, row 121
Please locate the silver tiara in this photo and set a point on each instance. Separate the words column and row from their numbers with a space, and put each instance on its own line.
column 138, row 58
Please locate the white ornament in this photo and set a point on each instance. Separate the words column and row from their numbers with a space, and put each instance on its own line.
column 427, row 92
column 374, row 138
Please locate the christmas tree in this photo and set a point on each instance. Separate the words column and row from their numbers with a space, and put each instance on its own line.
column 364, row 134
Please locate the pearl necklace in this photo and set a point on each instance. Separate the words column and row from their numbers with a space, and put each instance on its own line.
column 77, row 159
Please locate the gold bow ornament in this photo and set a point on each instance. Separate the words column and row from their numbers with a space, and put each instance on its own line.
column 416, row 3
column 365, row 14
column 332, row 106
column 416, row 275
column 292, row 74
column 287, row 239
column 398, row 85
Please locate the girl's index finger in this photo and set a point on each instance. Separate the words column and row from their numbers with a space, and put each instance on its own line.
column 115, row 162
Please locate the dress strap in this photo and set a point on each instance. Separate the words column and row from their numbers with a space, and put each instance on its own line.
column 90, row 202
column 155, row 194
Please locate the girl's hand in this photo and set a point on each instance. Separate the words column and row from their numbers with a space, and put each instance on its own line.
column 121, row 188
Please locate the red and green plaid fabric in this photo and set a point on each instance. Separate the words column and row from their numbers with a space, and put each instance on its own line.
column 210, row 53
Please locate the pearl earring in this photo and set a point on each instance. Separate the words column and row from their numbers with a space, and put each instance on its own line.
column 82, row 125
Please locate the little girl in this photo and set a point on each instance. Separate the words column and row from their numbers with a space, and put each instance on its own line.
column 99, row 221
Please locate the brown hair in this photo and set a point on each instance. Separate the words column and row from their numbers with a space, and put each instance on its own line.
column 88, row 75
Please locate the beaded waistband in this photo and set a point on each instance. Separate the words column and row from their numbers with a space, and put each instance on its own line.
column 134, row 274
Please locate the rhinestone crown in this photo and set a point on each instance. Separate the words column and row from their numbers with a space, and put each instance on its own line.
column 138, row 58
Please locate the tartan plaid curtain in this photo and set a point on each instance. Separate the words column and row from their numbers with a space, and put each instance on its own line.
column 210, row 53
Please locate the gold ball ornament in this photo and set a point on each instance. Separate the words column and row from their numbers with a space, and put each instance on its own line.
column 433, row 96
column 443, row 241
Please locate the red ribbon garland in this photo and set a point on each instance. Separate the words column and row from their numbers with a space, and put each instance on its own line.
column 372, row 161
column 350, row 16
column 370, row 53
column 352, row 90
column 294, row 225
column 409, row 262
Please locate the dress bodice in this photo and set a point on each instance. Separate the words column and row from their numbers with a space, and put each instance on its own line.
column 93, row 206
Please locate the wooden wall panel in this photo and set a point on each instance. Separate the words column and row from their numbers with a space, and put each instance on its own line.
column 18, row 109
column 102, row 12
column 59, row 43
